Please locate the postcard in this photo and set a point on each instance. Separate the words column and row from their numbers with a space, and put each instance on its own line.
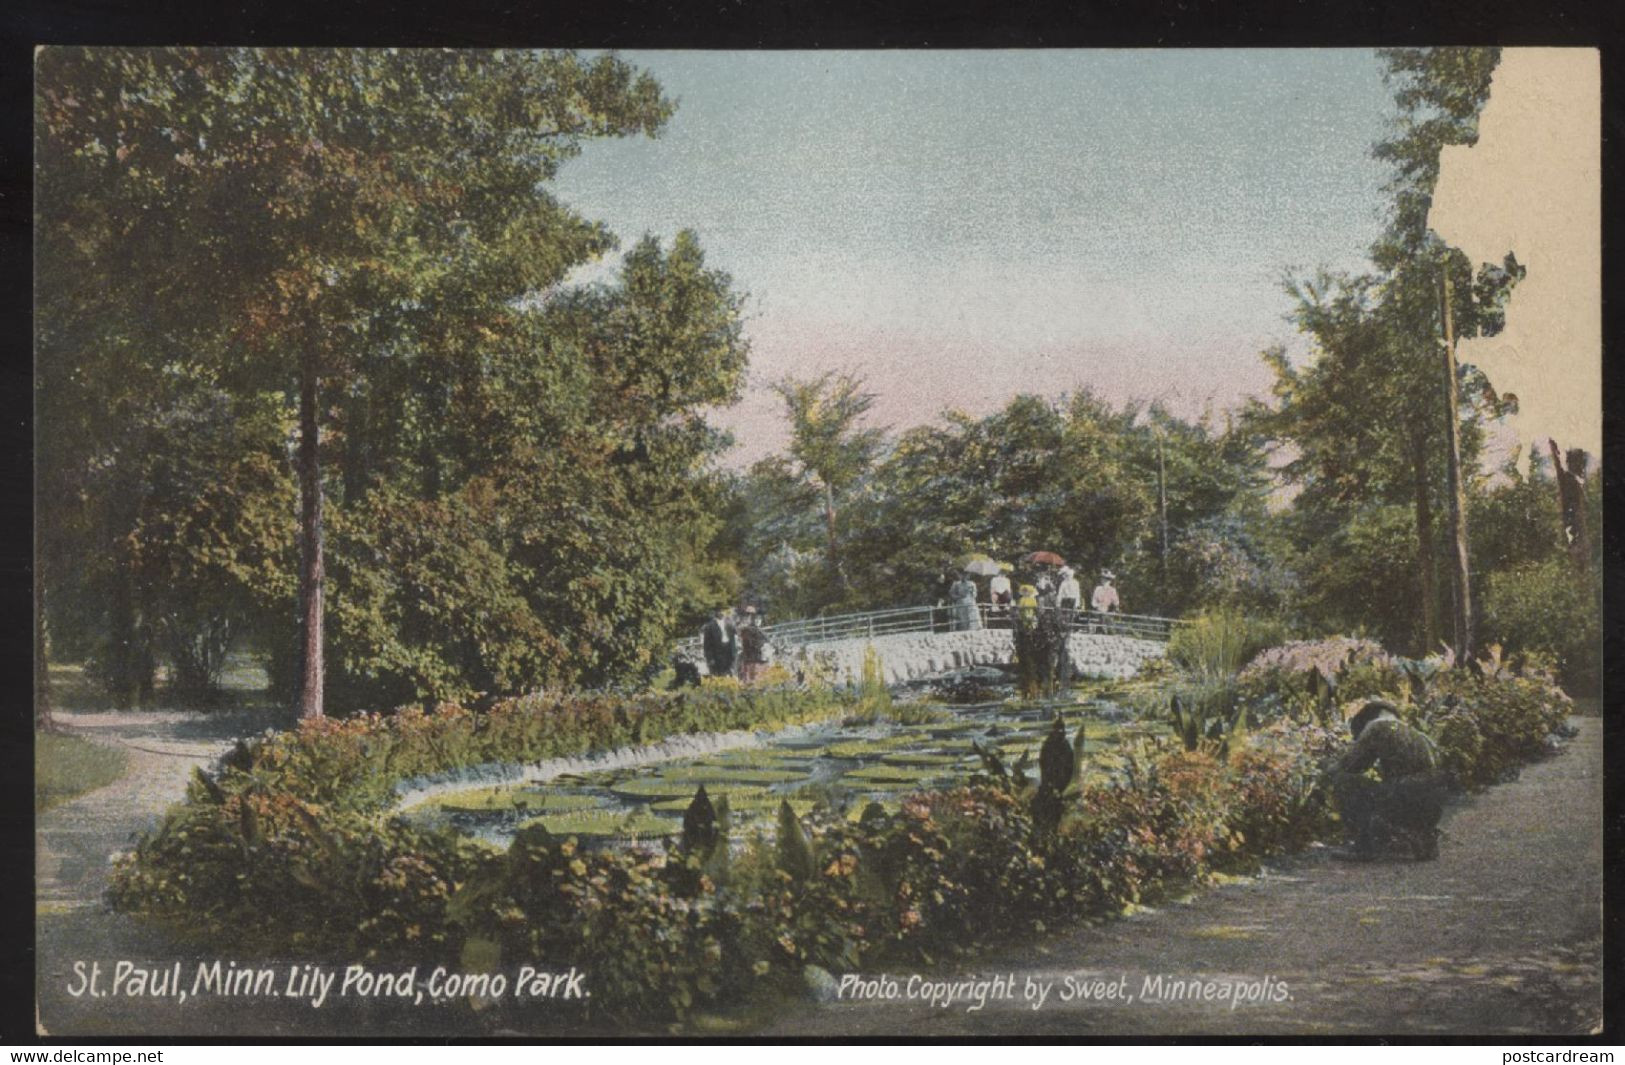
column 812, row 544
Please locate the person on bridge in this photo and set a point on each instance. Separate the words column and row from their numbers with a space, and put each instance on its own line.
column 998, row 591
column 721, row 643
column 1027, row 605
column 962, row 601
column 752, row 647
column 1070, row 593
column 1387, row 784
column 1103, row 600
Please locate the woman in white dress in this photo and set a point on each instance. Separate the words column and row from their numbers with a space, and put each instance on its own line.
column 962, row 603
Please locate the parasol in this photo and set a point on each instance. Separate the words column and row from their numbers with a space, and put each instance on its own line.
column 1045, row 558
column 978, row 564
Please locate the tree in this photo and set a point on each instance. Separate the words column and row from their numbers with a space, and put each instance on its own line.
column 1439, row 92
column 1038, row 474
column 1383, row 397
column 283, row 219
column 830, row 451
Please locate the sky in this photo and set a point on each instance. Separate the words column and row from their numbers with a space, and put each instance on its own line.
column 959, row 227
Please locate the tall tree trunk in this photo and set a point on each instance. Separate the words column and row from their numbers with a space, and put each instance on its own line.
column 1427, row 571
column 829, row 531
column 131, row 665
column 1458, row 490
column 310, row 515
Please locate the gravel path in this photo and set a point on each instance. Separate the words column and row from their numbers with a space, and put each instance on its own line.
column 1503, row 934
column 74, row 844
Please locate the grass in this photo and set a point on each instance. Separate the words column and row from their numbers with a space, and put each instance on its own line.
column 242, row 685
column 66, row 767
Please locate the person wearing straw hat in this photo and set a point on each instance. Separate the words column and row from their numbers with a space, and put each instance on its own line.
column 1027, row 605
column 1103, row 599
column 1069, row 594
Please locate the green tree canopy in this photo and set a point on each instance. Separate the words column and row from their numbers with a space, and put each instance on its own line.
column 364, row 239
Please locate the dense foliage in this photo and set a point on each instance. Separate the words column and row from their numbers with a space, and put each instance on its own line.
column 242, row 250
column 1073, row 475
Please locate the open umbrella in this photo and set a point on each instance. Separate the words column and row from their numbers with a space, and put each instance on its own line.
column 1045, row 558
column 981, row 567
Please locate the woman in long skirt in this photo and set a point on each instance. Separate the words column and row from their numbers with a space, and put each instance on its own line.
column 962, row 601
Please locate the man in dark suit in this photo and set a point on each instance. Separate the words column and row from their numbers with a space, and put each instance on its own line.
column 721, row 643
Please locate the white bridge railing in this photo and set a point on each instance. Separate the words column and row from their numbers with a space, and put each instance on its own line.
column 805, row 632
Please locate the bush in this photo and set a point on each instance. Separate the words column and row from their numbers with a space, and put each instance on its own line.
column 354, row 763
column 1277, row 681
column 1487, row 726
column 1548, row 608
column 1217, row 643
column 1297, row 657
column 1278, row 804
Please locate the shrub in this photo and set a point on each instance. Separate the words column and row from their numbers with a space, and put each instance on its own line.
column 1163, row 824
column 1487, row 726
column 1278, row 681
column 1278, row 803
column 1297, row 657
column 1548, row 608
column 1217, row 643
column 650, row 929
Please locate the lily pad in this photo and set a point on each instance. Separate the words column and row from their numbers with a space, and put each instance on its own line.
column 671, row 785
column 704, row 774
column 863, row 748
column 902, row 774
column 923, row 758
column 736, row 796
column 960, row 725
column 742, row 803
column 765, row 756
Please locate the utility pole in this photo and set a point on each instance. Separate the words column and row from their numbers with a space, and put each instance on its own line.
column 1458, row 490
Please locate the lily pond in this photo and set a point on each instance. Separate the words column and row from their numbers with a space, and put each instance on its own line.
column 844, row 765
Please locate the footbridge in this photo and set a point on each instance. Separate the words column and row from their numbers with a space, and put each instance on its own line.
column 919, row 641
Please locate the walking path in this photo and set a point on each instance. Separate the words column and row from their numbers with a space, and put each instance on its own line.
column 74, row 844
column 1503, row 934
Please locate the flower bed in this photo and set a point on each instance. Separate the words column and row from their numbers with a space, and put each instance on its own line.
column 289, row 850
